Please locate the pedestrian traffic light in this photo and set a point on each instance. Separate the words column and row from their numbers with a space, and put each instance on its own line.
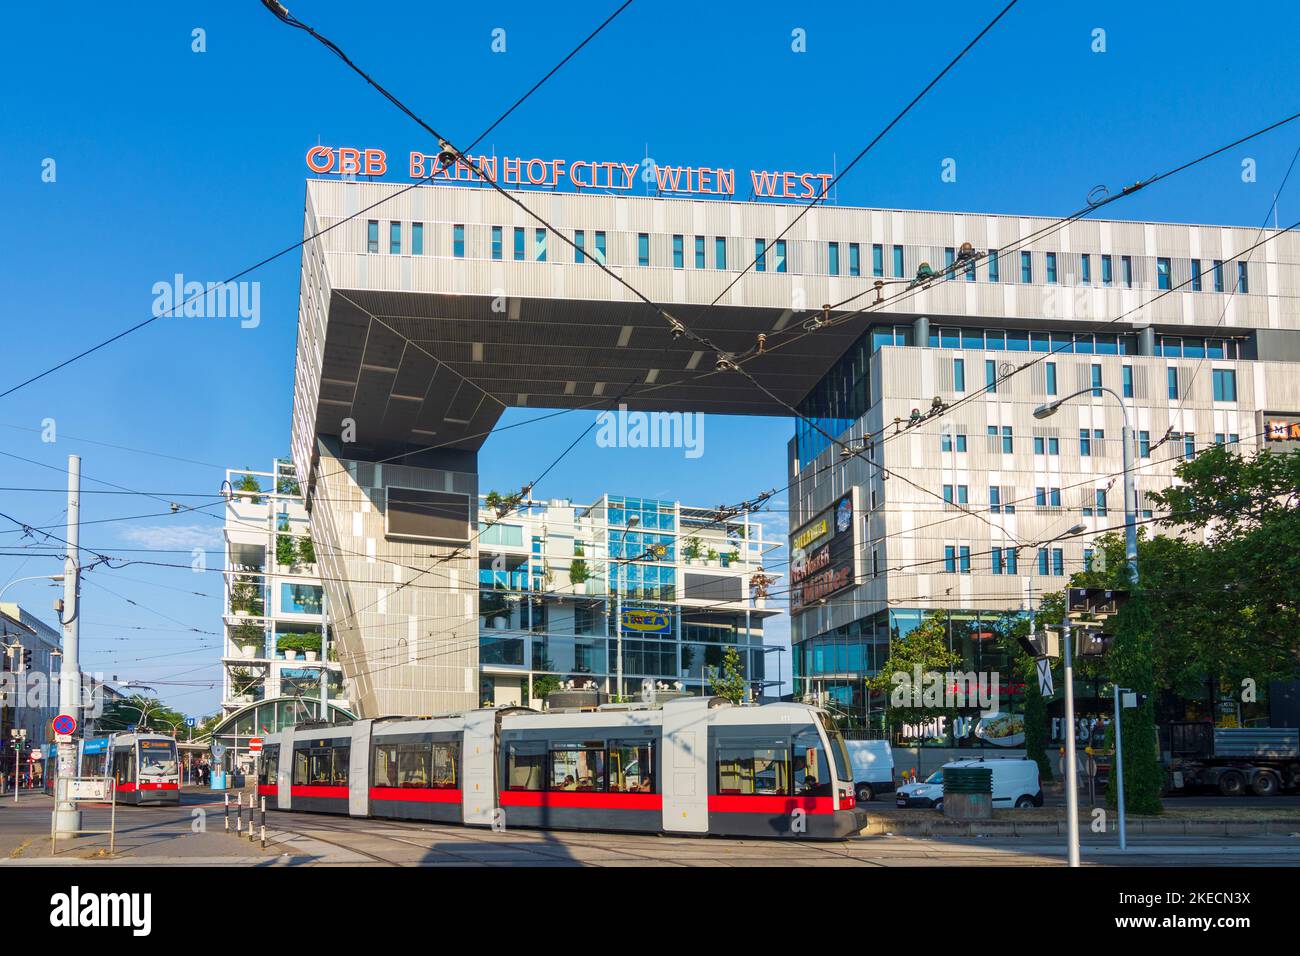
column 1094, row 643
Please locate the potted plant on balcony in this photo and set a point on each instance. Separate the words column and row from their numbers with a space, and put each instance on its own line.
column 245, row 596
column 711, row 558
column 286, row 551
column 242, row 684
column 248, row 637
column 307, row 551
column 691, row 549
column 248, row 487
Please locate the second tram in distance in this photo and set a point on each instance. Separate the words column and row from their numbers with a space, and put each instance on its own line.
column 693, row 765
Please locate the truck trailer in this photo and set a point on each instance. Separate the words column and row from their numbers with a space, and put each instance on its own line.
column 1262, row 760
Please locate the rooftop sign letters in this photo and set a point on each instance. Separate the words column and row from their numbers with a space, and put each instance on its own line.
column 579, row 174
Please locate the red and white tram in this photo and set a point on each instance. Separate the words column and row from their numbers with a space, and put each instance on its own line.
column 694, row 765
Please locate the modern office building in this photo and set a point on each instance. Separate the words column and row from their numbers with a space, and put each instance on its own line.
column 557, row 580
column 437, row 307
column 275, row 615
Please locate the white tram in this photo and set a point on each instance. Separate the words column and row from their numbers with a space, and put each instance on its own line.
column 693, row 765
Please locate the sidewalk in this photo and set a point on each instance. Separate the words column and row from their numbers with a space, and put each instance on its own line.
column 1046, row 821
column 189, row 833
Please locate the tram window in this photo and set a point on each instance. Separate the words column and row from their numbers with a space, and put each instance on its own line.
column 812, row 776
column 445, row 758
column 631, row 767
column 413, row 762
column 384, row 773
column 300, row 767
column 157, row 758
column 269, row 766
column 839, row 750
column 576, row 769
column 123, row 766
column 526, row 764
column 749, row 770
column 322, row 766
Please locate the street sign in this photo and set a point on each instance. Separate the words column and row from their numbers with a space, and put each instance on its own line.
column 218, row 750
column 1044, row 665
column 1041, row 644
column 254, row 745
column 191, row 722
column 64, row 725
column 130, row 728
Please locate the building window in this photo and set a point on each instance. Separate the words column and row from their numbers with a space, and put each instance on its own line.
column 1051, row 267
column 1225, row 385
column 958, row 375
column 1144, row 444
column 1172, row 374
column 855, row 260
column 1101, row 502
column 457, row 241
column 780, row 255
column 898, row 262
column 1026, row 268
column 1196, row 275
column 497, row 242
column 1107, row 274
column 699, row 252
column 1007, row 440
column 1085, row 442
column 395, row 238
column 949, row 257
column 963, row 557
column 642, row 249
column 949, row 559
column 600, row 247
column 1085, row 269
column 719, row 253
column 1042, row 561
column 996, row 555
column 1243, row 279
column 417, row 239
column 833, row 258
column 372, row 235
column 520, row 243
column 1127, row 263
column 1058, row 563
column 877, row 260
column 1189, row 445
column 1162, row 272
column 1128, row 381
column 1096, row 381
column 539, row 245
column 760, row 255
column 1218, row 275
column 990, row 375
column 993, row 265
column 579, row 247
column 1009, row 554
column 995, row 499
column 679, row 252
column 1050, row 372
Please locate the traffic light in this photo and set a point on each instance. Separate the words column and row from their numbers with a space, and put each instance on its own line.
column 1094, row 643
column 27, row 660
column 1099, row 602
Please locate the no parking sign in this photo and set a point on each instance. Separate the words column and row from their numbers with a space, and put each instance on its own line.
column 64, row 725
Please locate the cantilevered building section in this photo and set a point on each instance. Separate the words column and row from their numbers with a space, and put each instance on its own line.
column 425, row 317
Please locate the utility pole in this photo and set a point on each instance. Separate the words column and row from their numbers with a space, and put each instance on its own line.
column 67, row 818
column 1071, row 768
column 1119, row 772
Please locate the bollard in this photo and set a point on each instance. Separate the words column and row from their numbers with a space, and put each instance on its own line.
column 227, row 812
column 239, row 814
column 262, row 816
column 263, row 836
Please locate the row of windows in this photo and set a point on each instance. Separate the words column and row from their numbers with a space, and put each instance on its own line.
column 416, row 765
column 1224, row 380
column 613, row 767
column 780, row 259
column 957, row 560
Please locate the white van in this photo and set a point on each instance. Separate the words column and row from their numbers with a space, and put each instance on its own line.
column 1015, row 784
column 873, row 767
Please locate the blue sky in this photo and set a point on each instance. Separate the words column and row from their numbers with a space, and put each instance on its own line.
column 174, row 161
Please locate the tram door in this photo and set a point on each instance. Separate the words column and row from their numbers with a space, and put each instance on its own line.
column 479, row 772
column 359, row 770
column 685, row 766
column 284, row 770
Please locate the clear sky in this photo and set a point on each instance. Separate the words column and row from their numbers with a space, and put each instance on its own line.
column 173, row 161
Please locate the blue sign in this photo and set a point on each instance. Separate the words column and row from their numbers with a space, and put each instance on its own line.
column 130, row 728
column 65, row 725
column 98, row 745
column 191, row 722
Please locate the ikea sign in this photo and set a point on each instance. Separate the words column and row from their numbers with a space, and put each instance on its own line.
column 647, row 622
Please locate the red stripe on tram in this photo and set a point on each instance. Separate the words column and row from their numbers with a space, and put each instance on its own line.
column 416, row 794
column 160, row 786
column 268, row 790
column 303, row 790
column 583, row 800
column 739, row 803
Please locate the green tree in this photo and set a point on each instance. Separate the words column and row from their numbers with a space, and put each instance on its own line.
column 144, row 712
column 926, row 647
column 1130, row 664
column 729, row 681
column 578, row 572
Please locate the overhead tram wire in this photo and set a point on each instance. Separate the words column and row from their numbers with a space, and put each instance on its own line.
column 866, row 149
column 306, row 239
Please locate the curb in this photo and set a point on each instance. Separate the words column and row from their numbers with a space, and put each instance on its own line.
column 943, row 827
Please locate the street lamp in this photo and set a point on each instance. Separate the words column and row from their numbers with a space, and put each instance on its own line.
column 618, row 608
column 1130, row 491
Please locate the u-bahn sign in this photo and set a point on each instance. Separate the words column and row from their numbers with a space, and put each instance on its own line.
column 825, row 555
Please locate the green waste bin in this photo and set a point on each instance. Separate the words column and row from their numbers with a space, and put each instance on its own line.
column 968, row 793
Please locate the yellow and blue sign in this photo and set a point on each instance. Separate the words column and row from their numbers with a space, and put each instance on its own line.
column 645, row 621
